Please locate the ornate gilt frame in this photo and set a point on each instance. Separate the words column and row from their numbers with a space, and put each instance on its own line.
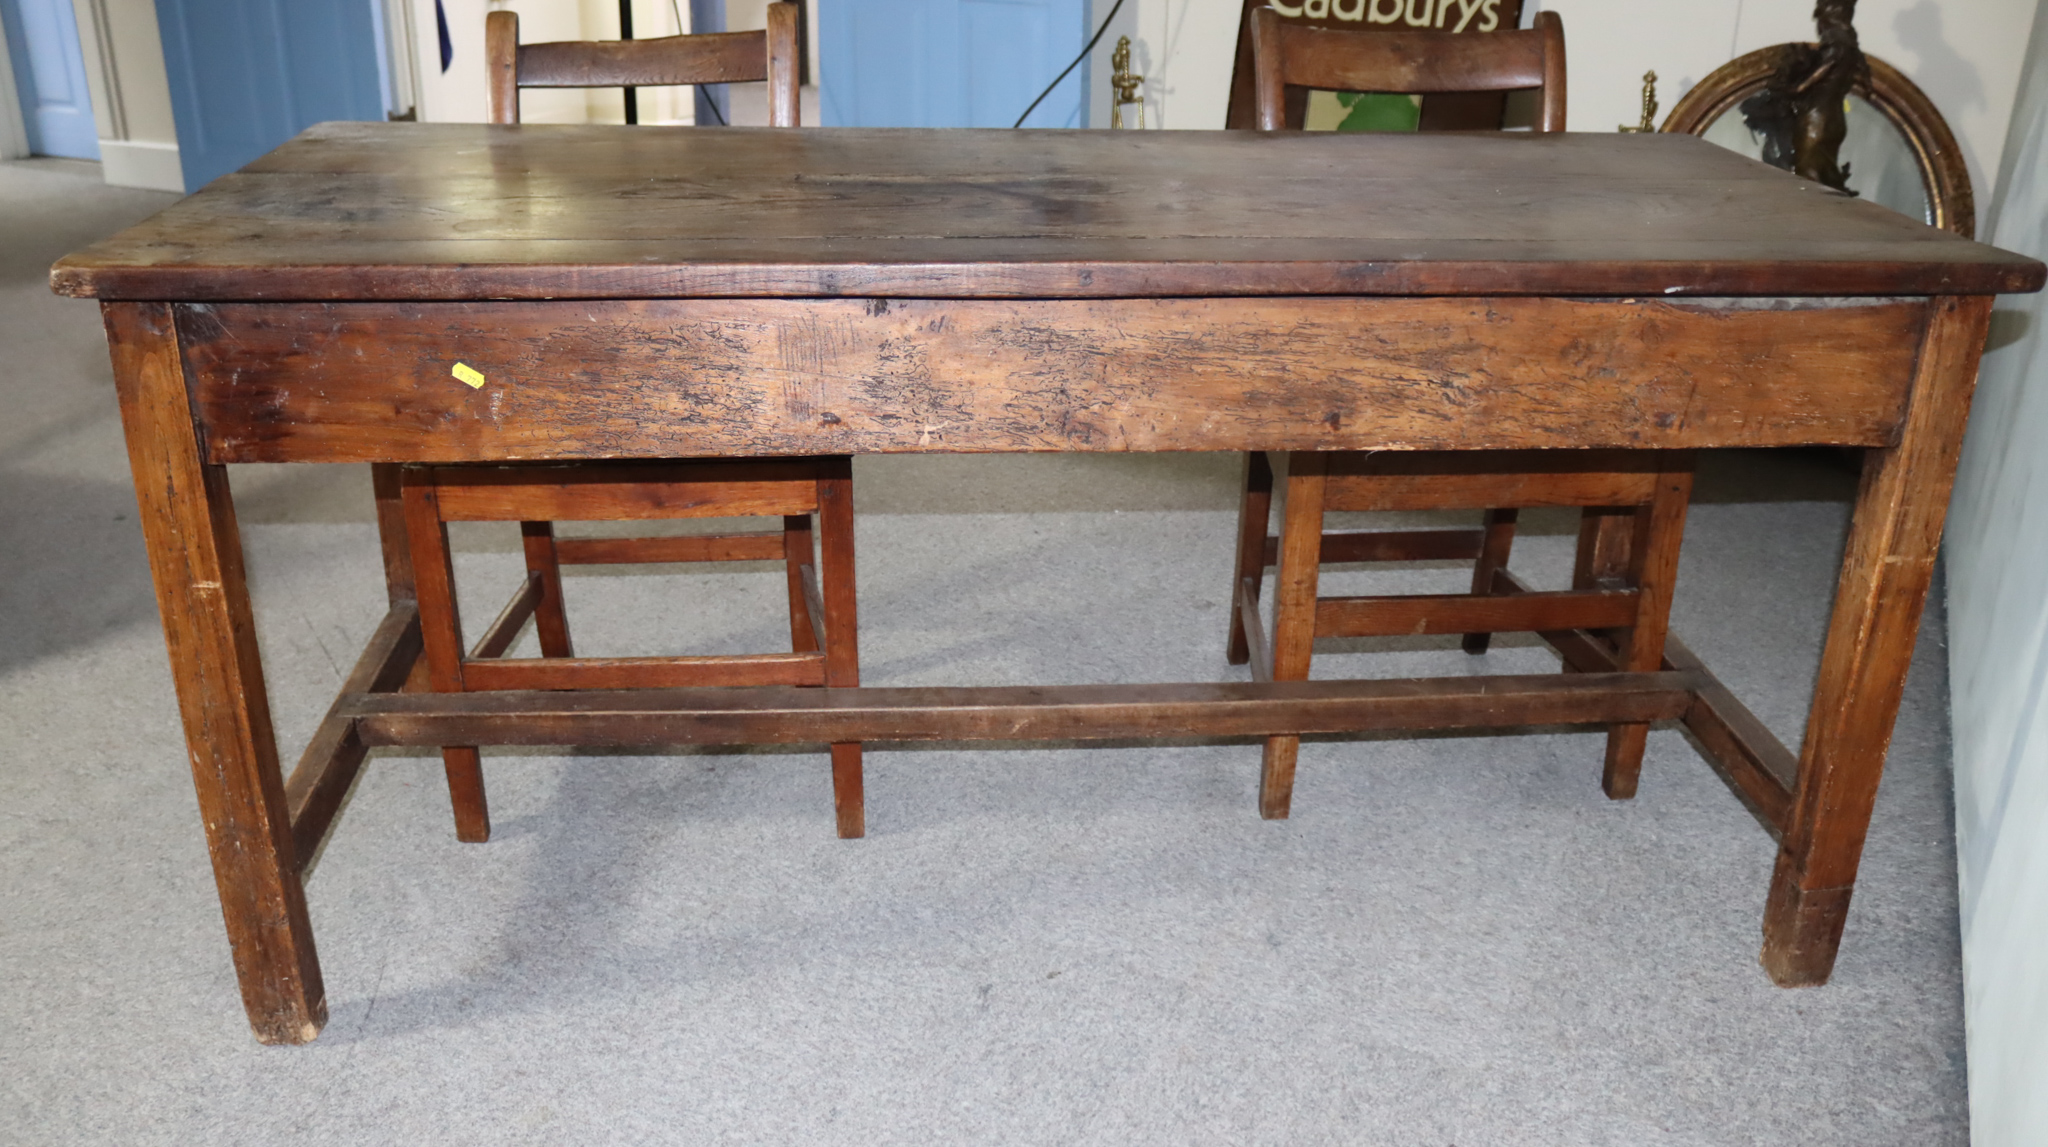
column 1942, row 172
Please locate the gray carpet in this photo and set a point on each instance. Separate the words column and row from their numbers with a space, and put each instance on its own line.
column 1456, row 940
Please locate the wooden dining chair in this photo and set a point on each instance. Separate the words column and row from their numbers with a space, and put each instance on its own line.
column 822, row 618
column 1633, row 503
column 705, row 58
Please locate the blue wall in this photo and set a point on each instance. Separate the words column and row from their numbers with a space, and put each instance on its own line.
column 49, row 75
column 950, row 63
column 247, row 75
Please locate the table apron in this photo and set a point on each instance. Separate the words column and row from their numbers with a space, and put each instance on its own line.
column 376, row 382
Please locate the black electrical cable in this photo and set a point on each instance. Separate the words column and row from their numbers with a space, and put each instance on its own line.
column 676, row 7
column 626, row 33
column 1092, row 41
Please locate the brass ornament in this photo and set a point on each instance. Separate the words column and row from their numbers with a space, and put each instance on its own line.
column 1649, row 120
column 1125, row 85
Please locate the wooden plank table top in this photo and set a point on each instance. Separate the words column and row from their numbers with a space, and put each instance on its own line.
column 456, row 211
column 658, row 293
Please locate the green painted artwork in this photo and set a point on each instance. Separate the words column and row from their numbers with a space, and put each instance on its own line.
column 1361, row 111
column 1378, row 111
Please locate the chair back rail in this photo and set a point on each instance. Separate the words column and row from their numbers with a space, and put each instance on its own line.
column 1291, row 56
column 709, row 58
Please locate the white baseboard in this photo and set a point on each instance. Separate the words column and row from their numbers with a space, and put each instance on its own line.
column 153, row 166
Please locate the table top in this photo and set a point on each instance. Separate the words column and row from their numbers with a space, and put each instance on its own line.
column 366, row 211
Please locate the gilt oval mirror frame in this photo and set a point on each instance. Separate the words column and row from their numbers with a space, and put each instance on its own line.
column 1944, row 178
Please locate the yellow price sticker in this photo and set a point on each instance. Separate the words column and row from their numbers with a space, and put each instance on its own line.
column 469, row 375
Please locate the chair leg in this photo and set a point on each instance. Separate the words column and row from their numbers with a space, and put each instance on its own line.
column 1253, row 514
column 1294, row 614
column 550, row 618
column 465, row 769
column 798, row 552
column 441, row 642
column 842, row 630
column 1493, row 555
column 1659, row 528
column 385, row 481
column 1604, row 536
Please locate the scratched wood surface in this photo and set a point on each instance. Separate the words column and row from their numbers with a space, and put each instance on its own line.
column 462, row 211
column 669, row 378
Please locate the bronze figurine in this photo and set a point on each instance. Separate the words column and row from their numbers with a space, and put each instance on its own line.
column 1800, row 113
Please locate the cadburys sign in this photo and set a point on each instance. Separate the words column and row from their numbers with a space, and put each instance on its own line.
column 1449, row 15
column 1450, row 111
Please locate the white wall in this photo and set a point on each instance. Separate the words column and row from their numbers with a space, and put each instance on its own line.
column 1997, row 562
column 131, row 93
column 1183, row 48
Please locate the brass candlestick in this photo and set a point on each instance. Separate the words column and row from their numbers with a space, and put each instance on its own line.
column 1649, row 122
column 1125, row 84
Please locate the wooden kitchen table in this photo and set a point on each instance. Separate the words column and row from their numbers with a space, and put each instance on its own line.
column 652, row 293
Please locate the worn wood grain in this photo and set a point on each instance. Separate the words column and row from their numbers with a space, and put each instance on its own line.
column 1886, row 567
column 711, row 58
column 1496, row 538
column 1255, row 551
column 807, row 625
column 1465, row 613
column 1294, row 615
column 751, row 546
column 441, row 649
column 384, row 484
column 371, row 382
column 773, row 715
column 1606, row 534
column 1523, row 479
column 701, row 58
column 586, row 493
column 644, row 672
column 842, row 632
column 466, row 211
column 195, row 555
column 1658, row 531
column 785, row 63
column 1257, row 650
column 1432, row 545
column 544, row 570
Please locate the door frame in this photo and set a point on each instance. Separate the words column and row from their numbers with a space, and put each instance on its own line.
column 13, row 129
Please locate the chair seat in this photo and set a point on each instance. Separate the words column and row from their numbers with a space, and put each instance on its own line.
column 818, row 565
column 1633, row 508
